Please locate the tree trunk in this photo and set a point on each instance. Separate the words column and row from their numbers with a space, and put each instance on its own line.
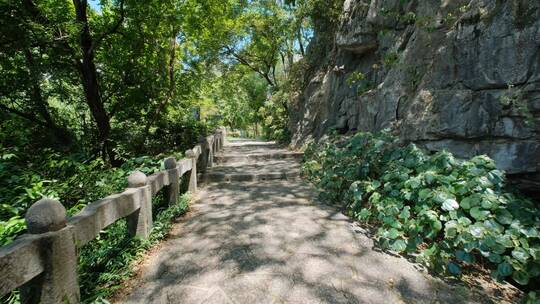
column 88, row 71
column 300, row 44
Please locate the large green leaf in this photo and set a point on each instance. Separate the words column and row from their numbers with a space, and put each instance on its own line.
column 477, row 230
column 424, row 194
column 504, row 240
column 535, row 253
column 392, row 234
column 521, row 277
column 520, row 254
column 479, row 213
column 454, row 268
column 450, row 204
column 464, row 256
column 399, row 245
column 405, row 213
column 504, row 269
column 469, row 202
column 503, row 216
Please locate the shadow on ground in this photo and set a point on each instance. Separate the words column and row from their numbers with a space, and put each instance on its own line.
column 270, row 243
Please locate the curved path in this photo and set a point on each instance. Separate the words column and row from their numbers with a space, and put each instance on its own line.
column 271, row 241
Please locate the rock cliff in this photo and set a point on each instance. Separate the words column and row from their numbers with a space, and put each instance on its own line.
column 449, row 74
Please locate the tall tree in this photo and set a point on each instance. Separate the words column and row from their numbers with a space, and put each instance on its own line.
column 89, row 74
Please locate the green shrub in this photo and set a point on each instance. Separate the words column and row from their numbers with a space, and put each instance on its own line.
column 274, row 115
column 359, row 80
column 450, row 213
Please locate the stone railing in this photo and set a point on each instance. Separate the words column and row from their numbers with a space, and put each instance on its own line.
column 43, row 263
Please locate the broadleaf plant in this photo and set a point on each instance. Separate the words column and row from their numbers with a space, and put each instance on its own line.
column 450, row 213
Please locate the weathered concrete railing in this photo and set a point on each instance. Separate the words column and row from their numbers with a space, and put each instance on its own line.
column 43, row 263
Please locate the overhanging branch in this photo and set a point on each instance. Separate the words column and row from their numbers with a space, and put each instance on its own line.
column 246, row 62
column 112, row 30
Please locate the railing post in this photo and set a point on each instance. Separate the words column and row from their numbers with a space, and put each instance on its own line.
column 140, row 221
column 58, row 282
column 217, row 138
column 223, row 136
column 173, row 190
column 210, row 144
column 193, row 178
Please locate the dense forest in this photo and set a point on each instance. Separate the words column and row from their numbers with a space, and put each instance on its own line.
column 91, row 90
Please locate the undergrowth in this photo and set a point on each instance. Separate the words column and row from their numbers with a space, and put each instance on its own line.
column 450, row 214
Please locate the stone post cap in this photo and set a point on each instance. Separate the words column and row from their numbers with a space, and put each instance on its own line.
column 137, row 179
column 170, row 163
column 190, row 153
column 45, row 215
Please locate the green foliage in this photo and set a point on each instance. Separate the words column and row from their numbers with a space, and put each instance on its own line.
column 239, row 104
column 150, row 59
column 408, row 18
column 275, row 117
column 452, row 213
column 324, row 16
column 359, row 80
column 390, row 59
column 355, row 77
column 532, row 297
column 277, row 109
column 514, row 98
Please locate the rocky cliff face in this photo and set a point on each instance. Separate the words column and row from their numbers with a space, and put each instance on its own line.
column 446, row 74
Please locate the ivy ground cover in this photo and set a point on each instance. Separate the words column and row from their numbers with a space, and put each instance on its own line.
column 449, row 213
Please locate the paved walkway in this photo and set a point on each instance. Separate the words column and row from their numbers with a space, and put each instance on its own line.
column 271, row 241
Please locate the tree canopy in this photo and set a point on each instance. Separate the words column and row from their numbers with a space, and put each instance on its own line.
column 84, row 77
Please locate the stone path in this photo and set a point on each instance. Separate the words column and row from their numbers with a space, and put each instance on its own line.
column 270, row 241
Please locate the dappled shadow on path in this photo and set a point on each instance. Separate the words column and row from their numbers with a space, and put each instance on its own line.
column 272, row 243
column 257, row 168
column 251, row 147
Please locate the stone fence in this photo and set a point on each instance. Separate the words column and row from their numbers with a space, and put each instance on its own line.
column 43, row 263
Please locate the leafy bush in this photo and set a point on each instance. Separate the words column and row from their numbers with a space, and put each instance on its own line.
column 275, row 120
column 450, row 213
column 359, row 80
